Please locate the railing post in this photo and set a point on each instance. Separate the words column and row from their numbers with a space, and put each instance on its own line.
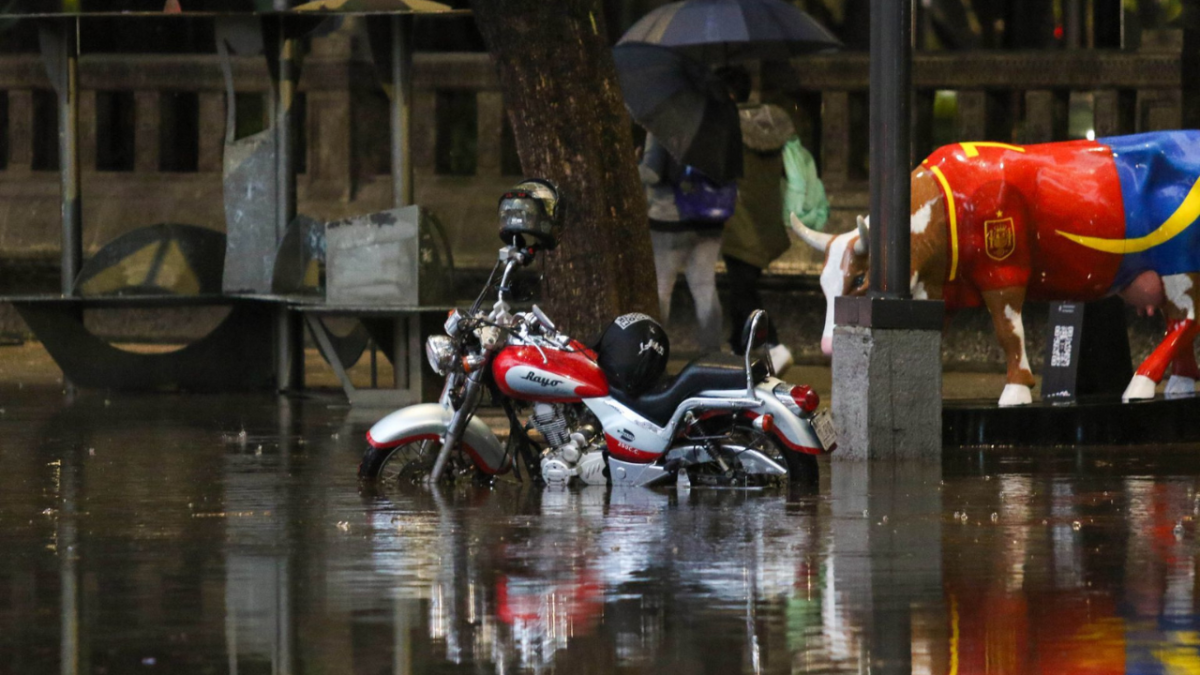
column 87, row 131
column 424, row 144
column 1045, row 116
column 20, row 130
column 490, row 113
column 212, row 131
column 972, row 115
column 402, row 161
column 835, row 138
column 147, row 118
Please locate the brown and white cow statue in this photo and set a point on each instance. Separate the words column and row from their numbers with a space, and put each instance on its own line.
column 995, row 224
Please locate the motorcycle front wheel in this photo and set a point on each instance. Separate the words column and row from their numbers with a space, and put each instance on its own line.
column 411, row 462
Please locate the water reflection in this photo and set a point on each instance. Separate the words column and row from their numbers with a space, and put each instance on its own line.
column 151, row 533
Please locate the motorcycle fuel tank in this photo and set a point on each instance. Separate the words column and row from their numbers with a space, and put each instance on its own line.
column 559, row 376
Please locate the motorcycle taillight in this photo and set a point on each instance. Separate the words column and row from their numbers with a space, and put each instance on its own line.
column 805, row 397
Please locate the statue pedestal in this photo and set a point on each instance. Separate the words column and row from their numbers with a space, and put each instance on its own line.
column 887, row 379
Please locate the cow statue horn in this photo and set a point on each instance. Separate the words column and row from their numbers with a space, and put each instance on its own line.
column 862, row 245
column 817, row 240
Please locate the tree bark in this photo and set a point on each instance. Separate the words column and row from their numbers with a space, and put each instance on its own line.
column 570, row 127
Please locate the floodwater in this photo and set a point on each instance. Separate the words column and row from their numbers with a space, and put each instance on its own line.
column 150, row 534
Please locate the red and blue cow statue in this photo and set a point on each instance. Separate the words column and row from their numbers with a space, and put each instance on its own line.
column 995, row 224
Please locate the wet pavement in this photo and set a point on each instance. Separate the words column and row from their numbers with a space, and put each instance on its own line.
column 228, row 534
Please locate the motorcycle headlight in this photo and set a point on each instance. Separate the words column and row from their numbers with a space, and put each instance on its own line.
column 439, row 350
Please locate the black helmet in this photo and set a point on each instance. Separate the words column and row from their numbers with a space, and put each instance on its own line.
column 529, row 214
column 633, row 353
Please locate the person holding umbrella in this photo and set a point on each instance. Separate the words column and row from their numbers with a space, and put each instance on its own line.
column 724, row 33
column 691, row 161
column 691, row 246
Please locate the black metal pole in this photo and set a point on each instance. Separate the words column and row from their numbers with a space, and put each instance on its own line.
column 285, row 126
column 289, row 328
column 891, row 92
column 59, row 42
column 402, row 165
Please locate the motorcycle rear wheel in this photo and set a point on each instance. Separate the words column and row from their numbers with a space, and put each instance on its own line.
column 410, row 462
column 802, row 469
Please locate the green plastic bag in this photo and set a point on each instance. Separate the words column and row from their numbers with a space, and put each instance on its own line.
column 803, row 192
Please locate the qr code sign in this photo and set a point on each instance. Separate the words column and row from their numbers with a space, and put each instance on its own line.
column 1060, row 355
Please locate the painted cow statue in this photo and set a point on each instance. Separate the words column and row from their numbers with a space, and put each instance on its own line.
column 995, row 224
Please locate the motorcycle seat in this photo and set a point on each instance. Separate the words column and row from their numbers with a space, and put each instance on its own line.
column 717, row 371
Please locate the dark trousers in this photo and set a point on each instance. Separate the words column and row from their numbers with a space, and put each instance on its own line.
column 743, row 300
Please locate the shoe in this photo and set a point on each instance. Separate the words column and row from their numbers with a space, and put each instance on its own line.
column 781, row 358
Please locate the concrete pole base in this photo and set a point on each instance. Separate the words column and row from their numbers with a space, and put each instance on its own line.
column 887, row 394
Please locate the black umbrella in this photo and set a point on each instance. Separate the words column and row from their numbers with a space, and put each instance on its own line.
column 724, row 31
column 685, row 106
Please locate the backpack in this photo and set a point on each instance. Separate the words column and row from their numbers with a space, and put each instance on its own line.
column 698, row 197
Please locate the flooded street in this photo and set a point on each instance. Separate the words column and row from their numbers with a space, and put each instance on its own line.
column 228, row 534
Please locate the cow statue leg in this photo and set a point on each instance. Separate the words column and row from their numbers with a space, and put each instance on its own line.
column 1182, row 293
column 1184, row 370
column 1005, row 305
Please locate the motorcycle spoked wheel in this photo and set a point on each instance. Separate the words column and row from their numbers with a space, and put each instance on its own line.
column 802, row 468
column 412, row 463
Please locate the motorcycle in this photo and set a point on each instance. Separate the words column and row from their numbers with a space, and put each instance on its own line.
column 607, row 414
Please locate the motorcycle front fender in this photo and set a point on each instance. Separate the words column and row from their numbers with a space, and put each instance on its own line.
column 430, row 421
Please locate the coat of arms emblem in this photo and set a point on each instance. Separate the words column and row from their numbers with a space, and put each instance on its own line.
column 1000, row 238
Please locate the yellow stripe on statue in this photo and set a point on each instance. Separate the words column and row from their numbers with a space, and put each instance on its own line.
column 1182, row 219
column 972, row 149
column 953, row 220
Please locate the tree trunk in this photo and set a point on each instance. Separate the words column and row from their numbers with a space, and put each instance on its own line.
column 570, row 126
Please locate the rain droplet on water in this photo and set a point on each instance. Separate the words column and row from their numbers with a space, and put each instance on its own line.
column 885, row 520
column 963, row 517
column 995, row 516
column 956, row 515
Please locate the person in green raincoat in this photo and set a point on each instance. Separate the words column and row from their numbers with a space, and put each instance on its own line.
column 779, row 178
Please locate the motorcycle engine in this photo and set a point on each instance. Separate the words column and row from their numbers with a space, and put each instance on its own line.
column 551, row 423
column 570, row 444
column 556, row 472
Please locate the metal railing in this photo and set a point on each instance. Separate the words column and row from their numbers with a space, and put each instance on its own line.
column 1023, row 97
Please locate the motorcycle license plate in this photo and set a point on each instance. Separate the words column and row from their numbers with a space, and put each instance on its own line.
column 822, row 423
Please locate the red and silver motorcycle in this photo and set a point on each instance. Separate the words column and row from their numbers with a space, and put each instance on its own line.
column 602, row 414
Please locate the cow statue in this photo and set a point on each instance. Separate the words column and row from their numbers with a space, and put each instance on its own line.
column 995, row 224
